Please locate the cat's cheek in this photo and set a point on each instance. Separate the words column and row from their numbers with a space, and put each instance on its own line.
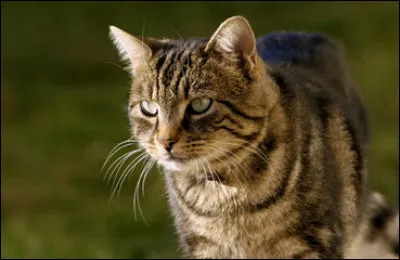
column 143, row 128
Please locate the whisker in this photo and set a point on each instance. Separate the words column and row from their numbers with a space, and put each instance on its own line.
column 204, row 169
column 136, row 197
column 253, row 150
column 127, row 172
column 246, row 147
column 235, row 163
column 152, row 161
column 145, row 170
column 228, row 153
column 116, row 149
column 221, row 186
column 116, row 162
column 195, row 164
column 118, row 167
column 213, row 177
column 177, row 33
column 116, row 65
column 145, row 157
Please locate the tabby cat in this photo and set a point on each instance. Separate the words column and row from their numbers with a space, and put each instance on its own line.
column 263, row 142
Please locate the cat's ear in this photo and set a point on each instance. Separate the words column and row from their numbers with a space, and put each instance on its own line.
column 132, row 49
column 235, row 36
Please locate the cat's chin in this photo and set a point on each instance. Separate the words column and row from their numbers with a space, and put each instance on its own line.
column 171, row 165
column 176, row 163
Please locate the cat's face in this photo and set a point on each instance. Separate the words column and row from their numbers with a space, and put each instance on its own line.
column 195, row 103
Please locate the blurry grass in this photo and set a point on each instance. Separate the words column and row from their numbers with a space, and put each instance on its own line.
column 63, row 111
column 55, row 203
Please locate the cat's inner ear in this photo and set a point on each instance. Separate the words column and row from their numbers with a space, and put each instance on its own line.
column 235, row 36
column 132, row 49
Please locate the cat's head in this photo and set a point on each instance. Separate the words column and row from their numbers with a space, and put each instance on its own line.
column 196, row 101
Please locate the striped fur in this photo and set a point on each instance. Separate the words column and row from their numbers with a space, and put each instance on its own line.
column 276, row 168
column 379, row 236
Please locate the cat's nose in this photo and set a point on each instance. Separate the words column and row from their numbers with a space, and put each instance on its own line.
column 167, row 144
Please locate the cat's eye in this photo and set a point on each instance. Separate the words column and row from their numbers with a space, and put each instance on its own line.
column 200, row 105
column 148, row 108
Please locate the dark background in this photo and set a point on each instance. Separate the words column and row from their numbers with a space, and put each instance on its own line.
column 62, row 110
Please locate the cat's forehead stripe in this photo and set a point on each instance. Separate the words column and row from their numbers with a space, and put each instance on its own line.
column 161, row 75
column 171, row 67
column 181, row 71
column 170, row 75
column 158, row 65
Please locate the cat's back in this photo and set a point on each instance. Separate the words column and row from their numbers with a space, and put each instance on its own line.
column 316, row 87
column 315, row 56
column 315, row 65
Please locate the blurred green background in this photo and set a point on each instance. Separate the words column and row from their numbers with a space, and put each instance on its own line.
column 62, row 111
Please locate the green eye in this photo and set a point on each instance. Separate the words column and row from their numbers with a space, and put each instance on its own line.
column 200, row 105
column 148, row 108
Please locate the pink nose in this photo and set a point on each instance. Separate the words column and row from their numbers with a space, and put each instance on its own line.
column 167, row 144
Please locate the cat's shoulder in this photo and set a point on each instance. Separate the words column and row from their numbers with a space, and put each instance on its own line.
column 298, row 48
column 310, row 57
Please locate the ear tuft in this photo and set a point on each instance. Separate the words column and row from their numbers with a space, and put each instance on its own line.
column 130, row 48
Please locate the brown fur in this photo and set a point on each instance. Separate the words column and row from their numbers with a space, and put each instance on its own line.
column 276, row 168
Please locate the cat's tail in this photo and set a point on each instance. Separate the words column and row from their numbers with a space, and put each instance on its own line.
column 380, row 232
column 384, row 222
